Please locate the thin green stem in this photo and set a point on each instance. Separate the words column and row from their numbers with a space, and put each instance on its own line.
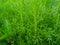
column 34, row 15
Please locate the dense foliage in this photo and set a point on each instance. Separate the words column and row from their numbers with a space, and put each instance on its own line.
column 30, row 22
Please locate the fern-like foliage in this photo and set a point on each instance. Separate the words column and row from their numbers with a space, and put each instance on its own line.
column 30, row 22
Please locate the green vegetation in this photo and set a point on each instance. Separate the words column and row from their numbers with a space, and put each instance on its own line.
column 30, row 22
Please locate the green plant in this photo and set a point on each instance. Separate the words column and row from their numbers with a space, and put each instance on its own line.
column 30, row 22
